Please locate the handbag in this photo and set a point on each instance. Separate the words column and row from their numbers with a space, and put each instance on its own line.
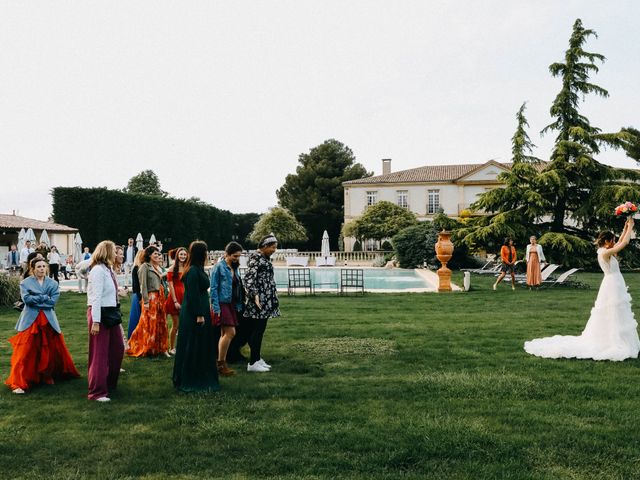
column 111, row 316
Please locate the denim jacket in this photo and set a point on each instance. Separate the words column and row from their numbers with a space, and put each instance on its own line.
column 38, row 298
column 222, row 286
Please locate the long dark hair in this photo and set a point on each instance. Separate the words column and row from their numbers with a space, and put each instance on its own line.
column 176, row 260
column 197, row 256
column 604, row 236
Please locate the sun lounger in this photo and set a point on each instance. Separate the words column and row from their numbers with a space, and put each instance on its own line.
column 564, row 280
column 297, row 261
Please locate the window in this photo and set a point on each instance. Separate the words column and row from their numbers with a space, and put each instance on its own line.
column 371, row 198
column 433, row 203
column 403, row 198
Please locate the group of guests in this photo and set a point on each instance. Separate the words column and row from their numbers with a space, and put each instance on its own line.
column 59, row 265
column 212, row 316
column 534, row 257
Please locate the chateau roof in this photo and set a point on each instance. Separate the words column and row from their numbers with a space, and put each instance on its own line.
column 429, row 173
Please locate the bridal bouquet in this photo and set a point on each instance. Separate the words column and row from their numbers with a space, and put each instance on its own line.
column 626, row 209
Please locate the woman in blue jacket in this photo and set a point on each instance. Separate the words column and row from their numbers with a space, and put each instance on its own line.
column 227, row 299
column 39, row 352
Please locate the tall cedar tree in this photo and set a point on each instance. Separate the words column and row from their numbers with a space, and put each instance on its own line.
column 573, row 195
column 314, row 194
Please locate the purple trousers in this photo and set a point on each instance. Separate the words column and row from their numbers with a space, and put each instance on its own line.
column 106, row 350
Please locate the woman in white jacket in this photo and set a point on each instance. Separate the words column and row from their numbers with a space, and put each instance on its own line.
column 534, row 258
column 106, row 346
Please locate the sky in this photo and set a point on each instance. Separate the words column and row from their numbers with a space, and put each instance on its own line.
column 220, row 98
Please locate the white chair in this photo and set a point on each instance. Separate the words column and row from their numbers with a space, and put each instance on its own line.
column 297, row 261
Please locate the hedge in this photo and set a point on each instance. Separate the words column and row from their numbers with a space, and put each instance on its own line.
column 100, row 213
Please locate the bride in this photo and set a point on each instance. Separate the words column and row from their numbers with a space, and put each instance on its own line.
column 611, row 332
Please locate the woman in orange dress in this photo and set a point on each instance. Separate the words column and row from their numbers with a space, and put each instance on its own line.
column 534, row 258
column 39, row 352
column 176, row 294
column 508, row 256
column 150, row 338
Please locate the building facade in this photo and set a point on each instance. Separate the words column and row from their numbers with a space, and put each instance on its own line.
column 424, row 190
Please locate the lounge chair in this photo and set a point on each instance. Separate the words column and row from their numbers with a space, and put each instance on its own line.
column 329, row 261
column 563, row 280
column 297, row 261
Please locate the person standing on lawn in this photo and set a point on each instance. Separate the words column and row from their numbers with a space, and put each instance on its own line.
column 227, row 300
column 534, row 257
column 262, row 299
column 150, row 338
column 176, row 293
column 195, row 368
column 136, row 298
column 40, row 354
column 106, row 345
column 508, row 255
column 611, row 333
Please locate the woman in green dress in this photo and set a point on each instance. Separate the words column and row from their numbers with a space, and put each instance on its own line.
column 195, row 368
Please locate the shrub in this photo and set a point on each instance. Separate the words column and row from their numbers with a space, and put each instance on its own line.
column 9, row 290
column 416, row 245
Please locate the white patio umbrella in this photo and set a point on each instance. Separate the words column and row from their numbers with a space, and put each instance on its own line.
column 325, row 250
column 139, row 242
column 30, row 236
column 44, row 238
column 21, row 240
column 77, row 250
column 152, row 239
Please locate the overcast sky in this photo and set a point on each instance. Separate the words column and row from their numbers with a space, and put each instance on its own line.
column 220, row 98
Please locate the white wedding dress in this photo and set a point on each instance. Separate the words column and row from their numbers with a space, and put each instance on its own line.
column 611, row 332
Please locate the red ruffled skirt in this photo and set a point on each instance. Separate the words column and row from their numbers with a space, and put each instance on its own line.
column 39, row 356
column 151, row 337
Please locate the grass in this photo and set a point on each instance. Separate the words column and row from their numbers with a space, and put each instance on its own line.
column 408, row 386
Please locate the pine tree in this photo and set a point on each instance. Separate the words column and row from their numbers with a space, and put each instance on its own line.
column 572, row 196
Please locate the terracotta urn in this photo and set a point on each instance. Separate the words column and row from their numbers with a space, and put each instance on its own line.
column 444, row 252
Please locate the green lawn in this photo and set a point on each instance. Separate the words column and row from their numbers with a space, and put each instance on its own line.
column 382, row 386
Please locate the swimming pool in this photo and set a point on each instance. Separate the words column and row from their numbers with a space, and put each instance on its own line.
column 375, row 279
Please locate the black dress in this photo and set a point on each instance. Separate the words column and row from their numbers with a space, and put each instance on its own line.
column 195, row 368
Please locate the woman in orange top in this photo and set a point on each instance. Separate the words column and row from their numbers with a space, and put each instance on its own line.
column 508, row 255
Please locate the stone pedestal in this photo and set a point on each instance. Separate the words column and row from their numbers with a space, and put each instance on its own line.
column 444, row 251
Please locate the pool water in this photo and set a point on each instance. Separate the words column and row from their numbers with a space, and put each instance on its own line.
column 374, row 278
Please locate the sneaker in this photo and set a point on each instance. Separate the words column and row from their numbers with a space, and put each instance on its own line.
column 495, row 286
column 513, row 287
column 264, row 364
column 17, row 391
column 256, row 367
column 103, row 399
column 122, row 370
column 172, row 351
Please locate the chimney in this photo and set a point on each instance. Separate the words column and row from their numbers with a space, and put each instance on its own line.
column 386, row 166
